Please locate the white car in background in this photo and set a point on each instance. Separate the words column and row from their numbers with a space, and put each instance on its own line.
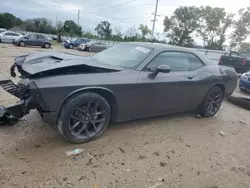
column 9, row 36
column 2, row 30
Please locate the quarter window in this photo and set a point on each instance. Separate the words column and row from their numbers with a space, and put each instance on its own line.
column 194, row 61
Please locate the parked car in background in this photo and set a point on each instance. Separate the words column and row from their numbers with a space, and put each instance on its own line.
column 125, row 82
column 9, row 36
column 93, row 46
column 239, row 61
column 33, row 40
column 244, row 84
column 75, row 43
column 2, row 30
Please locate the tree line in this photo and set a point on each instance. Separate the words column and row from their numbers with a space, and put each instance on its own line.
column 213, row 25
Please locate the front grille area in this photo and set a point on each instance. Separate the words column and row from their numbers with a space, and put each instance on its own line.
column 10, row 87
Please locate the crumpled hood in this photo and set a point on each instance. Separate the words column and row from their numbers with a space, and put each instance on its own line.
column 44, row 61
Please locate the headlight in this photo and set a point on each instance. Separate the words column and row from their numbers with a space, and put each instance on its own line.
column 244, row 77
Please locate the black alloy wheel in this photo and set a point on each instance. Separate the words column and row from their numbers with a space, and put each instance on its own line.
column 87, row 120
column 83, row 117
column 212, row 102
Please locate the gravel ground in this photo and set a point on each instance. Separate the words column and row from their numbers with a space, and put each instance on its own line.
column 165, row 152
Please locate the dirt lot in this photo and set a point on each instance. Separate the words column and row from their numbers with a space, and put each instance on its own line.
column 181, row 150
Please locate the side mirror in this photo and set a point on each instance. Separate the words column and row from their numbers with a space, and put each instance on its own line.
column 163, row 69
column 26, row 37
column 160, row 68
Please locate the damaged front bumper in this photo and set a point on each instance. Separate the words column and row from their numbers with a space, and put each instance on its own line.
column 11, row 114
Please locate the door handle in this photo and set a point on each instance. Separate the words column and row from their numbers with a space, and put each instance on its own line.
column 190, row 77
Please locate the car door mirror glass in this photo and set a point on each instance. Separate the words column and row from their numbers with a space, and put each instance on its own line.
column 163, row 68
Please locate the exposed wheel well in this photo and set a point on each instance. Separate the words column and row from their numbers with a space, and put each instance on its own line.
column 107, row 95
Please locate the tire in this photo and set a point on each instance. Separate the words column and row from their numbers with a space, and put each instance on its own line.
column 212, row 102
column 78, row 114
column 47, row 45
column 22, row 43
column 71, row 46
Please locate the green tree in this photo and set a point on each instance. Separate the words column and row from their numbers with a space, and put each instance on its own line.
column 244, row 47
column 104, row 30
column 41, row 25
column 181, row 25
column 89, row 35
column 118, row 34
column 72, row 28
column 241, row 28
column 144, row 30
column 59, row 26
column 8, row 20
column 213, row 24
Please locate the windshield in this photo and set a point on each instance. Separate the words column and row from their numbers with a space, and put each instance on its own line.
column 246, row 55
column 124, row 55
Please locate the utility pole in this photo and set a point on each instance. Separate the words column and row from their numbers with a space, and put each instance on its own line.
column 78, row 17
column 154, row 20
column 56, row 21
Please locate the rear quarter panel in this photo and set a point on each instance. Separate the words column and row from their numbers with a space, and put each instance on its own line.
column 212, row 75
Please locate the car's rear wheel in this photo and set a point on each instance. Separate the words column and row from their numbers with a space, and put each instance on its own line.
column 84, row 117
column 46, row 45
column 71, row 46
column 212, row 102
column 22, row 43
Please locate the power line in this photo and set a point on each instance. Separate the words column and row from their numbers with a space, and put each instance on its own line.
column 119, row 5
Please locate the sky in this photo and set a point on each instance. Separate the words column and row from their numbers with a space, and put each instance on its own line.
column 120, row 13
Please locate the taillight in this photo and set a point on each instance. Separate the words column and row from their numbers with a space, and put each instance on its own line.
column 243, row 62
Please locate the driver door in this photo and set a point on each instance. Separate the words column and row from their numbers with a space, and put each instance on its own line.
column 167, row 92
column 31, row 40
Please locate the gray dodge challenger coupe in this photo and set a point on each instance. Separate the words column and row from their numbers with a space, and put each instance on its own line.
column 82, row 95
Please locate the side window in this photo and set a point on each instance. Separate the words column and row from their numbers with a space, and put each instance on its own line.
column 194, row 61
column 40, row 37
column 32, row 36
column 11, row 34
column 8, row 34
column 177, row 61
column 83, row 41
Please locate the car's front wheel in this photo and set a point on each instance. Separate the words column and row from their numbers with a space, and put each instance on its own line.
column 71, row 46
column 47, row 45
column 22, row 43
column 84, row 117
column 212, row 102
